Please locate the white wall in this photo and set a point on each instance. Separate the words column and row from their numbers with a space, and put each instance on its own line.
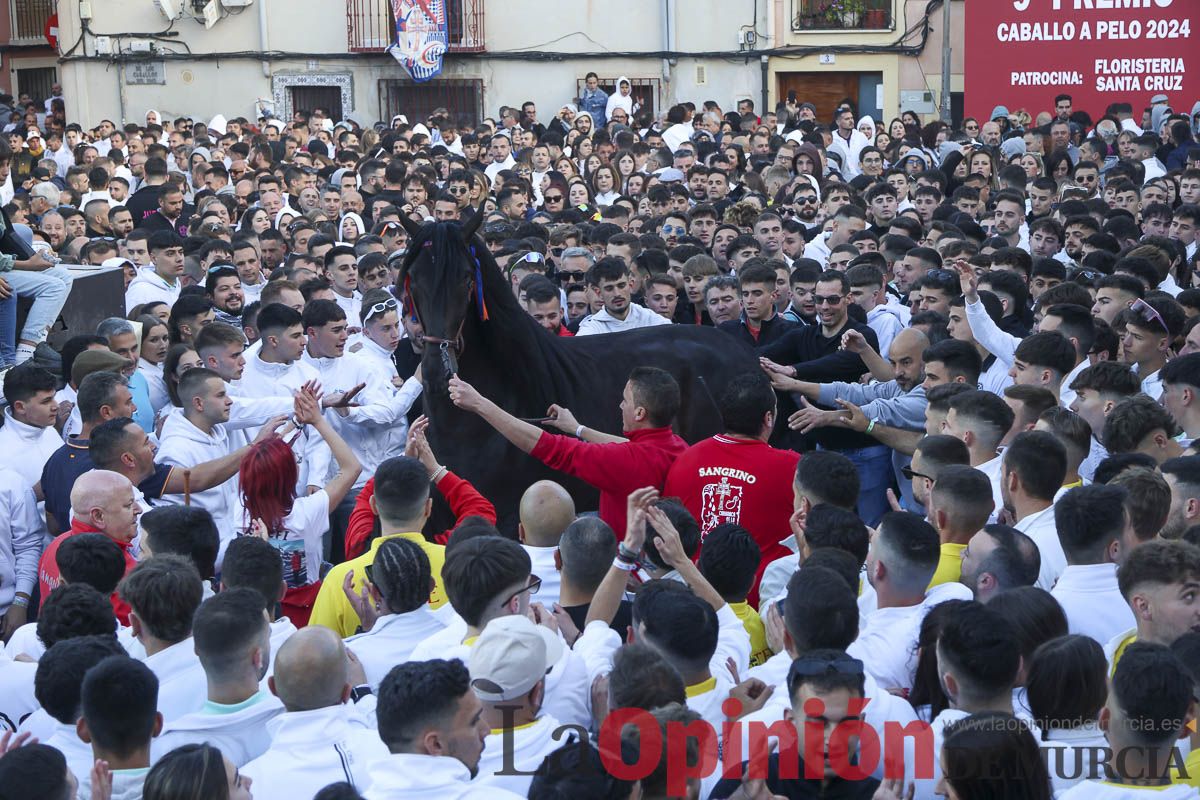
column 230, row 86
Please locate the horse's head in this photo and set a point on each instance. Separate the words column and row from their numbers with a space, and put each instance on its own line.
column 437, row 279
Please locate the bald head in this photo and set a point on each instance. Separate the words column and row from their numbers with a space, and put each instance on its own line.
column 105, row 501
column 905, row 355
column 546, row 511
column 310, row 670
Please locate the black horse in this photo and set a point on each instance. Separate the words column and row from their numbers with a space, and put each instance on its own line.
column 474, row 326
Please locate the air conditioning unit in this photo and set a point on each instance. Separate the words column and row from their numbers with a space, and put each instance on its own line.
column 168, row 8
column 922, row 102
column 236, row 3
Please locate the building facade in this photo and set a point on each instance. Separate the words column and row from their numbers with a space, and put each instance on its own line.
column 121, row 58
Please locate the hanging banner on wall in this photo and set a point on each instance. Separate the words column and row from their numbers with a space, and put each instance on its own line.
column 1021, row 53
column 421, row 36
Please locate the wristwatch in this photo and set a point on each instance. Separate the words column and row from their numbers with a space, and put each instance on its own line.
column 359, row 692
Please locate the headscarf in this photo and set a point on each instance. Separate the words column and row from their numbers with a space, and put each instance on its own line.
column 358, row 223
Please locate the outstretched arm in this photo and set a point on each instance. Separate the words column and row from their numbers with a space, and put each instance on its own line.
column 521, row 434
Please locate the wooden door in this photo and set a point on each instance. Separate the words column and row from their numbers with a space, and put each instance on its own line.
column 823, row 89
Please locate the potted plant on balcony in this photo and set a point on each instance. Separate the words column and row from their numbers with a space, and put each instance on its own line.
column 845, row 13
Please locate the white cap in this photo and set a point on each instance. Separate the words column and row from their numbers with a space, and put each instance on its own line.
column 116, row 261
column 511, row 656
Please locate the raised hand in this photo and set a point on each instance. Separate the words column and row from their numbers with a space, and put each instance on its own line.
column 464, row 395
column 562, row 419
column 854, row 341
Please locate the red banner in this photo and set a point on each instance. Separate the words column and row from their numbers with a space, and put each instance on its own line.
column 1021, row 53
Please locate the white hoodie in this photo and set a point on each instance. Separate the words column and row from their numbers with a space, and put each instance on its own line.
column 391, row 641
column 314, row 748
column 369, row 429
column 528, row 747
column 887, row 321
column 184, row 445
column 239, row 732
column 270, row 379
column 148, row 286
column 21, row 538
column 182, row 685
column 402, row 776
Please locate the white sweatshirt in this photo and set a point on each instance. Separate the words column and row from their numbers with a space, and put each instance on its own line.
column 269, row 379
column 240, row 732
column 314, row 748
column 402, row 776
column 184, row 445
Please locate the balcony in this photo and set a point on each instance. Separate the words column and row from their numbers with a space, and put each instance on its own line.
column 842, row 15
column 29, row 20
column 371, row 25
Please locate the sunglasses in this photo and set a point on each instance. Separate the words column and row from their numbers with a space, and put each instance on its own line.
column 806, row 200
column 553, row 198
column 908, row 472
column 1146, row 313
column 811, row 667
column 458, row 190
column 832, row 299
column 571, row 277
column 380, row 308
column 673, row 229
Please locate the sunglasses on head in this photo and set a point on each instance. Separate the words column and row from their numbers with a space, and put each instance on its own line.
column 380, row 308
column 1146, row 313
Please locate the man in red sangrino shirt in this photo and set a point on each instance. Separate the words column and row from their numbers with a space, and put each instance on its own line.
column 736, row 476
column 616, row 465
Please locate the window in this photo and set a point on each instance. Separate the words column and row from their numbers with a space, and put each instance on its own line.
column 641, row 89
column 29, row 19
column 37, row 82
column 824, row 15
column 463, row 98
column 371, row 25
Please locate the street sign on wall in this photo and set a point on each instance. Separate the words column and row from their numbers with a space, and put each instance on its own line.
column 1021, row 53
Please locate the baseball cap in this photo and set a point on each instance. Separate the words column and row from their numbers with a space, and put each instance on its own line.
column 90, row 361
column 670, row 175
column 511, row 656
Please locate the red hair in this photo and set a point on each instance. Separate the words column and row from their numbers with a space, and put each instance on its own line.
column 268, row 478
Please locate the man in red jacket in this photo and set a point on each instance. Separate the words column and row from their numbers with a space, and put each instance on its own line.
column 101, row 502
column 736, row 476
column 616, row 465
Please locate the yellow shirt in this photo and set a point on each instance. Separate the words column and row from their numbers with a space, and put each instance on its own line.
column 1191, row 766
column 334, row 611
column 949, row 568
column 759, row 650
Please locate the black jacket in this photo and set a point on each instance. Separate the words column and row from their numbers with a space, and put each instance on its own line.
column 802, row 788
column 771, row 331
column 818, row 359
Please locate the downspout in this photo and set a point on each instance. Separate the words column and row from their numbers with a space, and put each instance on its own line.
column 263, row 41
column 765, row 60
column 668, row 29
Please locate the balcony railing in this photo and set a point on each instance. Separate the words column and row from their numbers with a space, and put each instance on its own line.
column 29, row 20
column 371, row 25
column 841, row 15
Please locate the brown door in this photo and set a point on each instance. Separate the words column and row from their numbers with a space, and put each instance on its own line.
column 823, row 89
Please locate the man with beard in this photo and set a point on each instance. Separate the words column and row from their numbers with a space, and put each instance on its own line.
column 1183, row 476
column 224, row 288
column 1010, row 217
column 805, row 206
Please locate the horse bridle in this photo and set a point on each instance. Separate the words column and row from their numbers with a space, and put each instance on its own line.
column 450, row 349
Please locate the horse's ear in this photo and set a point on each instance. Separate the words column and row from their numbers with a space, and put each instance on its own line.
column 472, row 226
column 413, row 228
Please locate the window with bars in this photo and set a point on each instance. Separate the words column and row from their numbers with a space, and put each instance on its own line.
column 36, row 82
column 824, row 15
column 643, row 90
column 371, row 25
column 462, row 98
column 29, row 19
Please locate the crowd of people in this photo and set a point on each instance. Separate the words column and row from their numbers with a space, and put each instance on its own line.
column 958, row 496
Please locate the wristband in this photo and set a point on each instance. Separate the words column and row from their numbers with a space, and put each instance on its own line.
column 626, row 566
column 21, row 602
column 579, row 432
column 625, row 554
column 871, row 426
column 437, row 476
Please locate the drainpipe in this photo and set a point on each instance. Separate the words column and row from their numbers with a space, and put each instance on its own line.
column 262, row 36
column 668, row 32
